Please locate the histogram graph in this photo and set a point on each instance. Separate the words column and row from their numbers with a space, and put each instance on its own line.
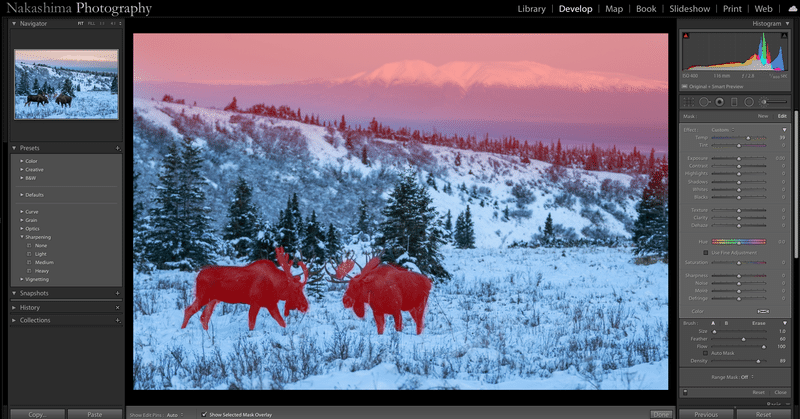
column 735, row 51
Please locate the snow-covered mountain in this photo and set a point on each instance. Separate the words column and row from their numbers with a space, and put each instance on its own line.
column 517, row 74
column 525, row 99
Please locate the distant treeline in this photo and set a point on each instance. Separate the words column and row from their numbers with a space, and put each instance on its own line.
column 577, row 156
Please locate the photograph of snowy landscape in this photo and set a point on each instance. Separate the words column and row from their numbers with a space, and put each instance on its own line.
column 325, row 211
column 66, row 84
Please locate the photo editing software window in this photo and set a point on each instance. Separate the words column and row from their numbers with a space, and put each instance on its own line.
column 514, row 211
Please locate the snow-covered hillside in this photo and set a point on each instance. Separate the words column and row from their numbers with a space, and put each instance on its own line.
column 592, row 204
column 511, row 316
column 87, row 80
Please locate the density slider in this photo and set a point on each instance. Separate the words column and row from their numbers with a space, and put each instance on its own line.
column 738, row 210
column 754, row 361
column 738, row 225
column 738, row 158
column 738, row 242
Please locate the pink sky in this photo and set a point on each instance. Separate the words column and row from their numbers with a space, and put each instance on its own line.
column 282, row 58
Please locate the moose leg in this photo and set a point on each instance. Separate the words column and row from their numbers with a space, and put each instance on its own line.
column 418, row 314
column 189, row 312
column 273, row 310
column 398, row 321
column 380, row 321
column 252, row 316
column 206, row 316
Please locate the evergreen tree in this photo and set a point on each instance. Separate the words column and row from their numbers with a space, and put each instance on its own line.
column 410, row 232
column 448, row 223
column 332, row 243
column 363, row 223
column 559, row 155
column 458, row 234
column 313, row 248
column 242, row 218
column 180, row 236
column 23, row 84
column 431, row 181
column 197, row 233
column 162, row 246
column 364, row 159
column 650, row 231
column 67, row 88
column 264, row 241
column 465, row 231
column 458, row 159
column 36, row 89
column 289, row 226
column 342, row 125
column 287, row 236
column 233, row 107
column 140, row 225
column 299, row 224
column 114, row 85
column 549, row 233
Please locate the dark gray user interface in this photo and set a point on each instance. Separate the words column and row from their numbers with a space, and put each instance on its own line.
column 736, row 142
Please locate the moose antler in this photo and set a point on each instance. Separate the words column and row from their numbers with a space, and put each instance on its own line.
column 373, row 260
column 341, row 269
column 283, row 259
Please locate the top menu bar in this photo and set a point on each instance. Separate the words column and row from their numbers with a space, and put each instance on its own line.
column 656, row 9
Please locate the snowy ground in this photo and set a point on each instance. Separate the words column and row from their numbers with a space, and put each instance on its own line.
column 576, row 318
column 87, row 105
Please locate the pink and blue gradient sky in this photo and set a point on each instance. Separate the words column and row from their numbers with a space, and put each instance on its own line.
column 284, row 58
column 613, row 85
column 73, row 59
